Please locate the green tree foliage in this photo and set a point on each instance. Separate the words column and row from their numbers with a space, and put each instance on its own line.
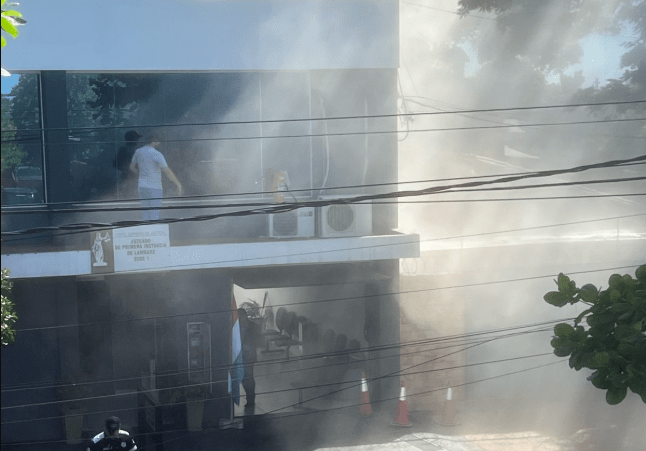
column 117, row 99
column 10, row 20
column 20, row 124
column 544, row 37
column 9, row 316
column 12, row 154
column 614, row 344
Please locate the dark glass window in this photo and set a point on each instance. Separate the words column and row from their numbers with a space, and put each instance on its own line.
column 210, row 132
column 22, row 159
column 101, row 109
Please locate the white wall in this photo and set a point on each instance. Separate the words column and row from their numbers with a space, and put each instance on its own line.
column 123, row 35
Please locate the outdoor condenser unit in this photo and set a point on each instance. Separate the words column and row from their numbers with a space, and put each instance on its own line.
column 292, row 224
column 345, row 219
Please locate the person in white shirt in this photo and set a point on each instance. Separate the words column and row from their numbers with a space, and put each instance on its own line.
column 150, row 163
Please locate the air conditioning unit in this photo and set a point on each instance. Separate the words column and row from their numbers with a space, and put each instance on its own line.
column 345, row 219
column 292, row 224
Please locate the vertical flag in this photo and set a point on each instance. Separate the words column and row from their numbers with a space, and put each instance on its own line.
column 236, row 373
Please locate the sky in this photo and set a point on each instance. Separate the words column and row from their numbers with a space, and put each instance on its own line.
column 601, row 60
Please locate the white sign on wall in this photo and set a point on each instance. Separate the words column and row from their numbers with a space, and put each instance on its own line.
column 141, row 247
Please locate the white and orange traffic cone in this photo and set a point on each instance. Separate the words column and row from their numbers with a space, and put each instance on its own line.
column 366, row 408
column 401, row 416
column 450, row 409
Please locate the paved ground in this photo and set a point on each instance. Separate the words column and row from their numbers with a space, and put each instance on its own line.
column 347, row 430
column 350, row 431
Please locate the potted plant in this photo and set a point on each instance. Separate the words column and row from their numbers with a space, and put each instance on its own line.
column 71, row 392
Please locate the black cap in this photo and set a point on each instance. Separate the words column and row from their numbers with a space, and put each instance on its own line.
column 112, row 424
column 132, row 135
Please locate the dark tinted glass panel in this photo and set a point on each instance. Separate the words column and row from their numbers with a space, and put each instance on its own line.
column 208, row 155
column 22, row 160
column 185, row 110
column 210, row 132
column 102, row 109
column 286, row 95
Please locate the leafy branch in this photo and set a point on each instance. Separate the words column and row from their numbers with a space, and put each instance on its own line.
column 9, row 316
column 614, row 344
column 11, row 19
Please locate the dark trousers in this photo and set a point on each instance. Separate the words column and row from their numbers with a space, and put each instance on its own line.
column 249, row 384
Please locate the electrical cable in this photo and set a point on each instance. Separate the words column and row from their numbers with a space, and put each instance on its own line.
column 458, row 114
column 169, row 374
column 427, row 392
column 271, row 392
column 433, row 239
column 378, row 348
column 381, row 358
column 395, row 374
column 11, row 210
column 467, row 339
column 508, row 199
column 315, row 411
column 394, row 202
column 372, row 116
column 475, row 16
column 205, row 384
column 315, row 356
column 374, row 132
column 321, row 301
column 450, row 341
column 78, row 228
column 318, row 203
column 404, row 121
column 325, row 411
column 280, row 204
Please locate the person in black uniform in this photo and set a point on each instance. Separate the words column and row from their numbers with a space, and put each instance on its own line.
column 127, row 180
column 250, row 337
column 113, row 438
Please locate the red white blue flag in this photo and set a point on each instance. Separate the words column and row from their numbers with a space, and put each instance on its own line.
column 236, row 373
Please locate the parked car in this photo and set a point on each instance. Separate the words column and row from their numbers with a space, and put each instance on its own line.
column 28, row 173
column 29, row 177
column 20, row 196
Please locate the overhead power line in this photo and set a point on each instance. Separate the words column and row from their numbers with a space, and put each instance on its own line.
column 335, row 118
column 437, row 346
column 12, row 210
column 278, row 205
column 455, row 13
column 320, row 301
column 387, row 375
column 206, row 384
column 320, row 203
column 477, row 335
column 271, row 392
column 374, row 132
column 294, row 414
column 398, row 372
column 507, row 199
column 426, row 392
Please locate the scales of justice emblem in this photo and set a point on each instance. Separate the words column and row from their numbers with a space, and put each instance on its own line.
column 97, row 248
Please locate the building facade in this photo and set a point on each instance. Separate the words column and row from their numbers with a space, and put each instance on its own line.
column 248, row 98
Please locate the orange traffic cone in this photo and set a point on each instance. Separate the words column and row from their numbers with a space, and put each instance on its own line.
column 401, row 416
column 366, row 408
column 450, row 409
